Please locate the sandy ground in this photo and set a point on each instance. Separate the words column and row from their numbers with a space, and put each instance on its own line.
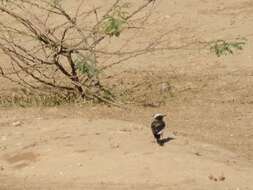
column 89, row 149
column 97, row 147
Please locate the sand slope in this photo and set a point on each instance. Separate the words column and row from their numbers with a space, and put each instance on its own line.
column 112, row 154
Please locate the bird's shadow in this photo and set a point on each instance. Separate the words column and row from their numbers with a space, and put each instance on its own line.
column 163, row 141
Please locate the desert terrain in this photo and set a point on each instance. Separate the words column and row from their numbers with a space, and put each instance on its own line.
column 209, row 116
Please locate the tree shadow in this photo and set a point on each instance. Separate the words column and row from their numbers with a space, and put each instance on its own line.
column 163, row 141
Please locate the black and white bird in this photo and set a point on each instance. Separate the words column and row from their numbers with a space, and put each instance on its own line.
column 157, row 126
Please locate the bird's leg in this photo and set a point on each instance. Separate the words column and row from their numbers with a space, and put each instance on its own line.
column 161, row 137
column 158, row 138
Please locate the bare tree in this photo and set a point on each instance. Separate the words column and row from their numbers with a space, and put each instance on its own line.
column 51, row 48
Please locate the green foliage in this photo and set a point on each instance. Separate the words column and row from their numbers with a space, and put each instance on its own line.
column 222, row 47
column 86, row 66
column 114, row 24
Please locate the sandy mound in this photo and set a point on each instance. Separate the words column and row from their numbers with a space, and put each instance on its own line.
column 112, row 154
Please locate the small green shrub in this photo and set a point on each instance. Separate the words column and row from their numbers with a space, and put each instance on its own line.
column 223, row 47
column 86, row 66
column 114, row 23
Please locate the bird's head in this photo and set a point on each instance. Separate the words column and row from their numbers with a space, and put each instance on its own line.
column 159, row 116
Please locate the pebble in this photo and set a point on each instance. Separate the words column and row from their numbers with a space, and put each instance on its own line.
column 17, row 123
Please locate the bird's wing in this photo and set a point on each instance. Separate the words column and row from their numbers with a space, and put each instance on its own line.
column 161, row 126
column 154, row 126
column 157, row 126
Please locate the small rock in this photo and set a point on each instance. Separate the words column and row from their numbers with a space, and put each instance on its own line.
column 17, row 123
column 222, row 178
column 211, row 177
column 116, row 146
column 125, row 130
column 1, row 168
column 197, row 154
